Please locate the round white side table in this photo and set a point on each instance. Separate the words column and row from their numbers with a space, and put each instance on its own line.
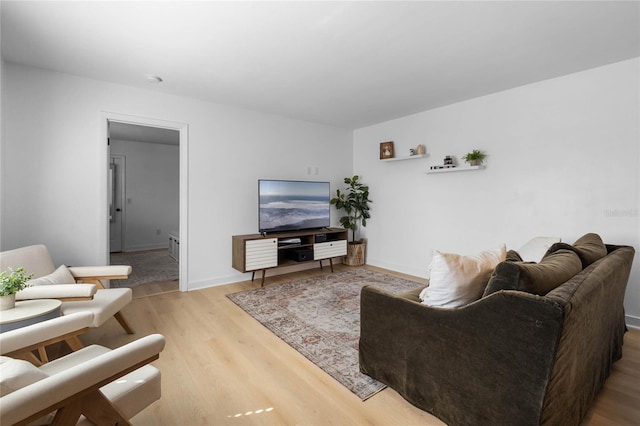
column 29, row 312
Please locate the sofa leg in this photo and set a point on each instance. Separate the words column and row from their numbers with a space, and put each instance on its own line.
column 123, row 322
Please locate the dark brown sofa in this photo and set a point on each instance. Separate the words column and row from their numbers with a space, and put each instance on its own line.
column 510, row 358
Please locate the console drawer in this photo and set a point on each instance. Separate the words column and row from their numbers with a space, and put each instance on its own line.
column 261, row 254
column 329, row 249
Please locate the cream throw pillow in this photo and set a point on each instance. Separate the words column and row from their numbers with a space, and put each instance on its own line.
column 16, row 374
column 458, row 280
column 535, row 249
column 59, row 276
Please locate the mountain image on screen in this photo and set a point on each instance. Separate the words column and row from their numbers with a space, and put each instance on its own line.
column 293, row 205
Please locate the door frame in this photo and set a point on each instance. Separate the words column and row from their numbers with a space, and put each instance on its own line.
column 120, row 179
column 103, row 232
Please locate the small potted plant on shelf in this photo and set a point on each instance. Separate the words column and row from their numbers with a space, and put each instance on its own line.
column 475, row 157
column 12, row 282
column 355, row 202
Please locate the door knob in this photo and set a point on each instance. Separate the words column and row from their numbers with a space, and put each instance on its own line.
column 118, row 210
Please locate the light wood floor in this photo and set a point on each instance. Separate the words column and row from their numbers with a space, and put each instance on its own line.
column 152, row 289
column 221, row 367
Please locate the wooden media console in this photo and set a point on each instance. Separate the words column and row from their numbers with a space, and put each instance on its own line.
column 257, row 252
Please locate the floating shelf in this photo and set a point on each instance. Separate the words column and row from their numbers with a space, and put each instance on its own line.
column 456, row 169
column 408, row 157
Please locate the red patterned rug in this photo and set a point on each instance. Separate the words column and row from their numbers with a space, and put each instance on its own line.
column 320, row 318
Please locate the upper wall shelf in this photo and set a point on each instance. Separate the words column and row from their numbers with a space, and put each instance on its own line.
column 408, row 157
column 456, row 169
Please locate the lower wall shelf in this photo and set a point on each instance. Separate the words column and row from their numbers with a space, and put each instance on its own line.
column 455, row 169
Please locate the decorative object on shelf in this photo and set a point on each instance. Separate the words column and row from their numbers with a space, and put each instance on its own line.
column 355, row 202
column 421, row 150
column 447, row 163
column 12, row 282
column 386, row 150
column 475, row 157
column 412, row 152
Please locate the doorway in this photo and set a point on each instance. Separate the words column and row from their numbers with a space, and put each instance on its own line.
column 124, row 232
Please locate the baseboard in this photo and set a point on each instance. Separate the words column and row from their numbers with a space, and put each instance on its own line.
column 632, row 321
column 403, row 269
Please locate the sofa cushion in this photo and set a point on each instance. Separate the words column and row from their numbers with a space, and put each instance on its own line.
column 59, row 276
column 16, row 374
column 513, row 256
column 589, row 248
column 456, row 280
column 537, row 278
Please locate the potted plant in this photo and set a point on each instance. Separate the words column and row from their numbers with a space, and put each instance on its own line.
column 475, row 157
column 355, row 202
column 12, row 282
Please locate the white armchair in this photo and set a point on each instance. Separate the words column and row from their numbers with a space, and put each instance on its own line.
column 93, row 385
column 51, row 283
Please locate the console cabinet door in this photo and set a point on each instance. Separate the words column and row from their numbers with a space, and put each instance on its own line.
column 261, row 254
column 329, row 249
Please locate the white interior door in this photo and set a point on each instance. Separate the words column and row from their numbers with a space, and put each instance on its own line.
column 116, row 202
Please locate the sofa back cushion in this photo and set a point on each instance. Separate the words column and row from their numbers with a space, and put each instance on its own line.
column 589, row 248
column 537, row 278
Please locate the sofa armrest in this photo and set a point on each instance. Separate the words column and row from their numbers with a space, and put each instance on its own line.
column 58, row 291
column 51, row 393
column 500, row 349
column 35, row 335
column 100, row 272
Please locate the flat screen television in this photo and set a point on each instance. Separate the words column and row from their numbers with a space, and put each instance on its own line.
column 293, row 205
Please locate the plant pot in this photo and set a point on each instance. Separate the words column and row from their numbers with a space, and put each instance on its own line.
column 355, row 254
column 7, row 302
column 475, row 162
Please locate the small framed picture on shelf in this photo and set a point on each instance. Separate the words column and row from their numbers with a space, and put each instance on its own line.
column 386, row 150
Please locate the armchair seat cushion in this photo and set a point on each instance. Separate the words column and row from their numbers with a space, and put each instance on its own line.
column 104, row 305
column 16, row 374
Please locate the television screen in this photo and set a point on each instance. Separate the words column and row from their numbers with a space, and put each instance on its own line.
column 287, row 205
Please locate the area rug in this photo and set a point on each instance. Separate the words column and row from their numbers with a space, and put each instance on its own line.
column 147, row 266
column 320, row 318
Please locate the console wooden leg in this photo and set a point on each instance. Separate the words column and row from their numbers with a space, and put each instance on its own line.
column 320, row 264
column 331, row 263
column 123, row 322
column 253, row 275
column 263, row 273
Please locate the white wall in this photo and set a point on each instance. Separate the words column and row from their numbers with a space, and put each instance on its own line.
column 152, row 194
column 54, row 172
column 563, row 160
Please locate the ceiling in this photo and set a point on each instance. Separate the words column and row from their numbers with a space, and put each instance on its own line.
column 346, row 64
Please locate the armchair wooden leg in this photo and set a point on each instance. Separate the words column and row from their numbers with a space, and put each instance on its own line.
column 74, row 343
column 97, row 408
column 123, row 322
column 42, row 353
